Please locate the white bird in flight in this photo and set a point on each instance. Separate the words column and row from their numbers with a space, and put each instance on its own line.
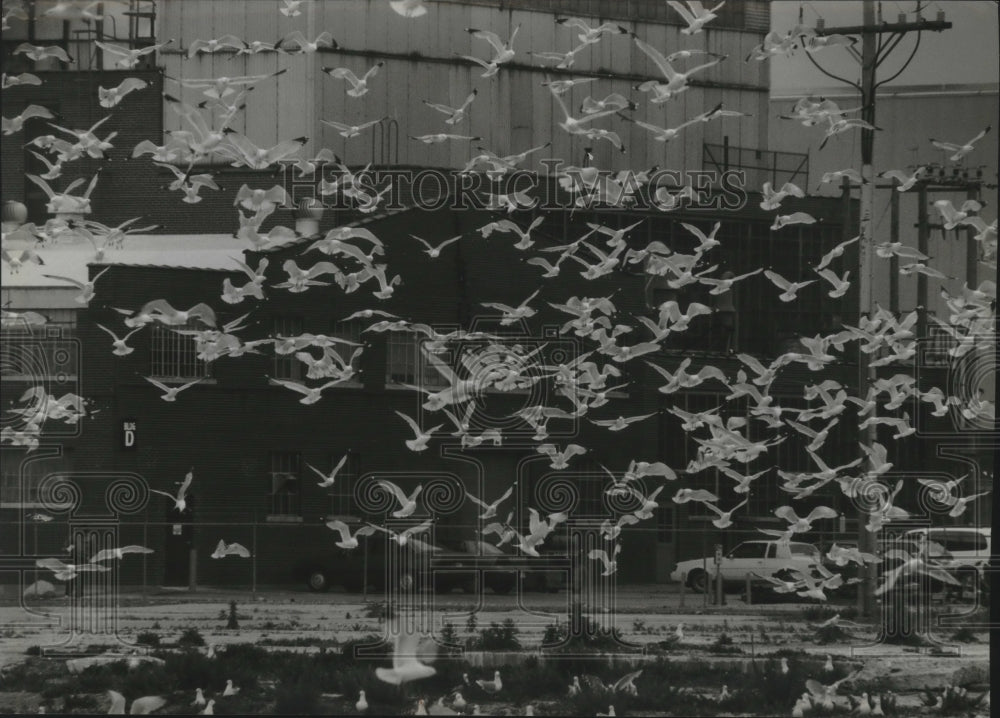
column 328, row 480
column 725, row 518
column 222, row 549
column 140, row 706
column 455, row 114
column 490, row 510
column 610, row 563
column 87, row 291
column 359, row 86
column 905, row 181
column 349, row 131
column 789, row 289
column 170, row 392
column 407, row 504
column 347, row 541
column 120, row 348
column 783, row 220
column 180, row 500
column 435, row 252
column 118, row 553
column 408, row 8
column 695, row 15
column 419, row 443
column 406, row 663
column 960, row 150
column 403, row 537
column 309, row 395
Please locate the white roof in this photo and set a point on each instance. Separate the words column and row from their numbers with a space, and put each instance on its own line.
column 177, row 251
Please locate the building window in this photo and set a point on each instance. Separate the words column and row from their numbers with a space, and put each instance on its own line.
column 591, row 490
column 342, row 492
column 20, row 480
column 50, row 351
column 939, row 343
column 350, row 331
column 408, row 363
column 286, row 493
column 286, row 366
column 175, row 355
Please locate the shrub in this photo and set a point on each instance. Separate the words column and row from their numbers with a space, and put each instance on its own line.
column 233, row 623
column 191, row 637
column 299, row 695
column 499, row 637
column 554, row 634
column 83, row 702
column 379, row 610
column 724, row 644
column 964, row 635
column 449, row 636
column 148, row 638
column 188, row 670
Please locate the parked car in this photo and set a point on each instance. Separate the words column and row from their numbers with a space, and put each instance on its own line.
column 760, row 559
column 353, row 569
column 964, row 550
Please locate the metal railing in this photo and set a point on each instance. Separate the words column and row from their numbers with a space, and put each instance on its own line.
column 758, row 165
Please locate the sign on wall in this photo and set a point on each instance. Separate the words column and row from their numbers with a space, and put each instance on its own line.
column 128, row 434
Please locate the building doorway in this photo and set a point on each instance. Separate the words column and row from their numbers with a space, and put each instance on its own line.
column 178, row 544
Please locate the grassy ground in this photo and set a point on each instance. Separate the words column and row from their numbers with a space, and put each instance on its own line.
column 291, row 654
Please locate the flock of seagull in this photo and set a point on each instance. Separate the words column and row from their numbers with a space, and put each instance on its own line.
column 496, row 365
column 356, row 261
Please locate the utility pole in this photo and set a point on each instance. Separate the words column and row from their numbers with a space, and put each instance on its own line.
column 866, row 373
column 873, row 52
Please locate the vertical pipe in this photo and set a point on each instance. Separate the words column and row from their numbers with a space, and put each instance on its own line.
column 894, row 261
column 704, row 568
column 923, row 235
column 971, row 248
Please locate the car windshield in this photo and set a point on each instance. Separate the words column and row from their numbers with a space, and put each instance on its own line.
column 959, row 540
column 804, row 549
column 749, row 550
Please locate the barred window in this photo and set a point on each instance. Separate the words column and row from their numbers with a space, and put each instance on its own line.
column 286, row 366
column 285, row 476
column 939, row 342
column 342, row 492
column 351, row 331
column 591, row 490
column 407, row 362
column 20, row 480
column 48, row 351
column 175, row 355
column 590, row 482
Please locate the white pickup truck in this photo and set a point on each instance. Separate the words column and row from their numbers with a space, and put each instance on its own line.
column 758, row 558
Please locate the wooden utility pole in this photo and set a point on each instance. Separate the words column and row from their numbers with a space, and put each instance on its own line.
column 873, row 53
column 866, row 373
